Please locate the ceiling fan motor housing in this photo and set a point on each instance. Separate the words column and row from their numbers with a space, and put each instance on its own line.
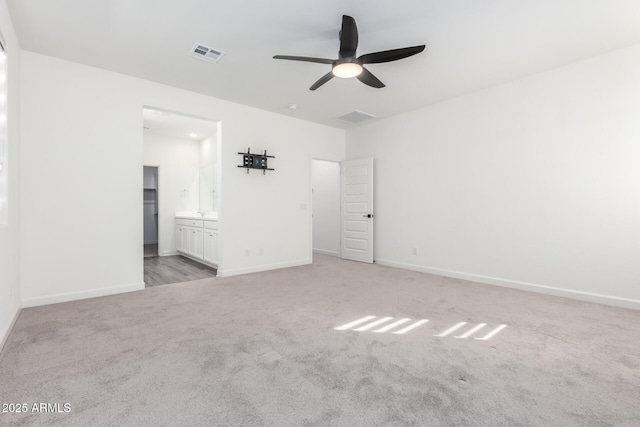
column 347, row 67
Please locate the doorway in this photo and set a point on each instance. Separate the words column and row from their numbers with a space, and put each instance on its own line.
column 325, row 202
column 150, row 210
column 342, row 209
column 181, row 196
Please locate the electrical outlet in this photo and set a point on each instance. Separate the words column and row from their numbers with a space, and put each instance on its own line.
column 260, row 251
column 247, row 252
column 414, row 251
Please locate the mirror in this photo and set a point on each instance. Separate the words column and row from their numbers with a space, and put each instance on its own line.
column 208, row 191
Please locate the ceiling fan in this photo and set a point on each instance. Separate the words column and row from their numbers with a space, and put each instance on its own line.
column 348, row 65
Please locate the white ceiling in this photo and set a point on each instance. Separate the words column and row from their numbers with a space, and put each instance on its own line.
column 176, row 125
column 471, row 44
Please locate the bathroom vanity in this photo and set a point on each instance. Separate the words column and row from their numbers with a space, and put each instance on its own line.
column 197, row 237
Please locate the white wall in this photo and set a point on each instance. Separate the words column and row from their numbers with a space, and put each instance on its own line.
column 82, row 135
column 4, row 173
column 209, row 150
column 178, row 161
column 209, row 161
column 325, row 181
column 534, row 184
column 271, row 212
column 10, row 230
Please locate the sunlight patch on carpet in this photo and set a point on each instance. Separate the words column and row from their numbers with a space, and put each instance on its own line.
column 368, row 323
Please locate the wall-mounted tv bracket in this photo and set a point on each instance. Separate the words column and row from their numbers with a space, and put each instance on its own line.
column 255, row 161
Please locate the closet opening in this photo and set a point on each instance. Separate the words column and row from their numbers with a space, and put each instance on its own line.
column 150, row 210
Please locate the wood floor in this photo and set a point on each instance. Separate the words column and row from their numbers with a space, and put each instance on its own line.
column 151, row 249
column 174, row 269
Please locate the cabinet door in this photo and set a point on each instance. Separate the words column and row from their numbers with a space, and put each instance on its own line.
column 196, row 244
column 185, row 239
column 211, row 247
column 181, row 236
column 191, row 241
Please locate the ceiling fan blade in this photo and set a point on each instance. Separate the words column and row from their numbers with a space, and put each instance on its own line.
column 305, row 59
column 322, row 80
column 368, row 78
column 348, row 37
column 391, row 55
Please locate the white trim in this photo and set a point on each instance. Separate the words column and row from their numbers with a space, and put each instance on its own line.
column 170, row 253
column 325, row 252
column 73, row 296
column 5, row 337
column 524, row 286
column 259, row 268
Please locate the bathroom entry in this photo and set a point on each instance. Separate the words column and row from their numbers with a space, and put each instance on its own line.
column 150, row 210
column 185, row 151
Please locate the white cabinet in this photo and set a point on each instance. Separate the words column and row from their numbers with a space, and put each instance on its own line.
column 211, row 246
column 195, row 242
column 182, row 238
column 198, row 239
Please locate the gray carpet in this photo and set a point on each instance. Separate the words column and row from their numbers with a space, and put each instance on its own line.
column 261, row 349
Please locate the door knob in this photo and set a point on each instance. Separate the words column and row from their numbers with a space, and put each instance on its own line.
column 367, row 216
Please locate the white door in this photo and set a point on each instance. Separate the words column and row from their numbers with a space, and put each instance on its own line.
column 181, row 239
column 196, row 243
column 356, row 225
column 214, row 247
column 211, row 246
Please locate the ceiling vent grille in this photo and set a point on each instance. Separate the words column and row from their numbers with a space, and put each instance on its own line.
column 205, row 53
column 356, row 117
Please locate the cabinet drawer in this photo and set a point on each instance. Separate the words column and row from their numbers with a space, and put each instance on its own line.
column 182, row 221
column 194, row 223
column 211, row 225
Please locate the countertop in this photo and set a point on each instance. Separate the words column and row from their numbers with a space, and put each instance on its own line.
column 208, row 216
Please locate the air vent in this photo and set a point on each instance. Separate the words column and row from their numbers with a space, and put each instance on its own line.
column 206, row 53
column 356, row 117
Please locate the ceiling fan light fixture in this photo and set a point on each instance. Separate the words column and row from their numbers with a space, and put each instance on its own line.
column 347, row 70
column 348, row 64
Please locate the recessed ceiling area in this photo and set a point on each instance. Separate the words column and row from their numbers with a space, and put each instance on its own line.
column 470, row 45
column 176, row 125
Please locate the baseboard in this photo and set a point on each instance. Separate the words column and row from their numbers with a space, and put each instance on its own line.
column 73, row 296
column 524, row 286
column 259, row 268
column 169, row 253
column 6, row 334
column 325, row 252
